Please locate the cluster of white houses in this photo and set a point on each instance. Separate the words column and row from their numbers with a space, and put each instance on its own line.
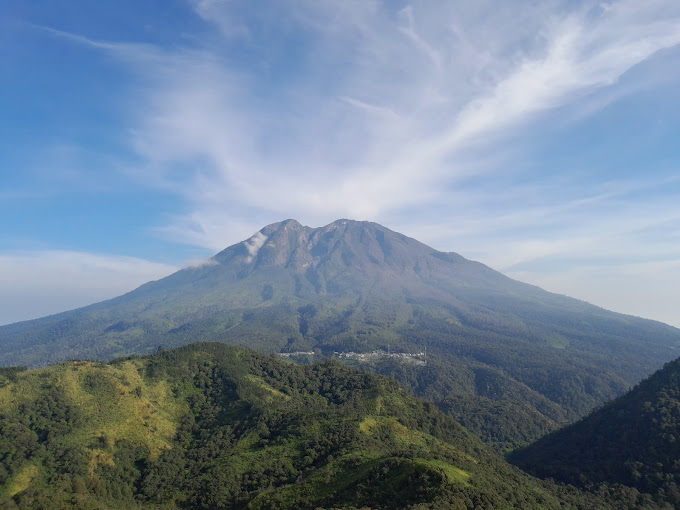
column 418, row 358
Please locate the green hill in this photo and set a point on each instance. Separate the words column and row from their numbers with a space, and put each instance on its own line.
column 358, row 286
column 213, row 426
column 633, row 441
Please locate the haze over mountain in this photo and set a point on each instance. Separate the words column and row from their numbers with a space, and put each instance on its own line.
column 358, row 286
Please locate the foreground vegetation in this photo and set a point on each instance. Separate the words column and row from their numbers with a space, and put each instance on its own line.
column 212, row 426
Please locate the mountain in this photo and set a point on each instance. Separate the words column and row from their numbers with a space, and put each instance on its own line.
column 632, row 441
column 210, row 426
column 358, row 286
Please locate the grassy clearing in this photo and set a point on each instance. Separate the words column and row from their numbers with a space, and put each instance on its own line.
column 97, row 458
column 122, row 400
column 452, row 473
column 24, row 389
column 557, row 341
column 405, row 437
column 368, row 425
column 114, row 403
column 22, row 480
column 8, row 397
column 333, row 478
column 260, row 383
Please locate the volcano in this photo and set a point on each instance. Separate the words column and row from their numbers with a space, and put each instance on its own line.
column 358, row 286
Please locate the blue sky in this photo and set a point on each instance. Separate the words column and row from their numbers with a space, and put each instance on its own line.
column 540, row 138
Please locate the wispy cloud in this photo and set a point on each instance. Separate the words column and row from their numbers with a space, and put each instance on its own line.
column 254, row 244
column 412, row 114
column 528, row 224
column 390, row 132
column 199, row 263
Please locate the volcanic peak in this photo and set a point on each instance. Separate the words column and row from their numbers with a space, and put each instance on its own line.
column 358, row 244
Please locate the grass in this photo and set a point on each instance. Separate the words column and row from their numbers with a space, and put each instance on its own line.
column 123, row 405
column 405, row 437
column 133, row 401
column 325, row 453
column 97, row 458
column 22, row 480
column 368, row 425
column 452, row 473
column 557, row 341
column 24, row 388
column 260, row 383
column 343, row 472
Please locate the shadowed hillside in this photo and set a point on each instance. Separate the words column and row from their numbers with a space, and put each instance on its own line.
column 632, row 441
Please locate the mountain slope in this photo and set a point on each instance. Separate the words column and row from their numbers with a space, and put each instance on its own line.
column 358, row 286
column 213, row 426
column 633, row 441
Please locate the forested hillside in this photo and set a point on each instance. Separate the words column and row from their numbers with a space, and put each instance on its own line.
column 632, row 441
column 212, row 426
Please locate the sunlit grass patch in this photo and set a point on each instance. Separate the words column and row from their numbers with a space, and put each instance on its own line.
column 453, row 474
column 260, row 383
column 22, row 480
column 368, row 424
column 117, row 403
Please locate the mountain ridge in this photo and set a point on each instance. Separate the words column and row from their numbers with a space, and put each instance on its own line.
column 359, row 286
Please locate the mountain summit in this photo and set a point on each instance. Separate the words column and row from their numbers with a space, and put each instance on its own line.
column 353, row 244
column 344, row 256
column 342, row 246
column 358, row 286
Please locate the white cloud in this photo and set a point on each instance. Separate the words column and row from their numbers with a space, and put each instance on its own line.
column 254, row 244
column 199, row 263
column 415, row 89
column 607, row 221
column 39, row 283
column 410, row 91
column 317, row 109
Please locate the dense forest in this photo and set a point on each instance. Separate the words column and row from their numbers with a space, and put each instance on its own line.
column 212, row 426
column 633, row 441
column 505, row 415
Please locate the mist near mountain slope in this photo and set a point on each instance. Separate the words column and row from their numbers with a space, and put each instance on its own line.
column 358, row 286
